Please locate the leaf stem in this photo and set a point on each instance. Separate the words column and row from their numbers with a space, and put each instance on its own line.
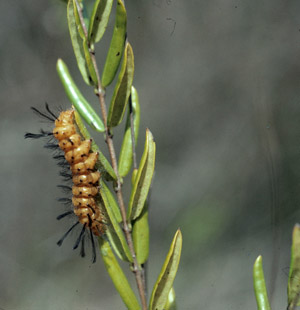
column 100, row 92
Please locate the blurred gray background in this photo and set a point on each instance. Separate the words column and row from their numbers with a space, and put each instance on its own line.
column 219, row 87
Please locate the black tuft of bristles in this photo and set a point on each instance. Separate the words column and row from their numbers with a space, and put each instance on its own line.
column 42, row 134
column 93, row 247
column 65, row 175
column 61, row 161
column 64, row 215
column 49, row 111
column 48, row 115
column 51, row 146
column 79, row 238
column 66, row 189
column 61, row 240
column 82, row 251
column 65, row 201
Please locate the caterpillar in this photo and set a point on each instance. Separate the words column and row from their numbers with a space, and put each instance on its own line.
column 85, row 178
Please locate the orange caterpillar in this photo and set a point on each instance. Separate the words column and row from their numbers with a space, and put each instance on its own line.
column 82, row 161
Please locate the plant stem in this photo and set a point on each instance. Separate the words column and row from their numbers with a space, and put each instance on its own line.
column 101, row 95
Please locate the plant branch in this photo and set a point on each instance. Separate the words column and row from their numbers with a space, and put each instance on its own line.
column 101, row 95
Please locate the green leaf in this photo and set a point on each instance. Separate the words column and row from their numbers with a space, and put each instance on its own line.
column 77, row 43
column 99, row 19
column 122, row 89
column 140, row 236
column 260, row 285
column 167, row 275
column 77, row 99
column 89, row 63
column 294, row 273
column 116, row 48
column 171, row 302
column 102, row 163
column 114, row 230
column 112, row 202
column 125, row 158
column 118, row 277
column 143, row 179
column 77, row 19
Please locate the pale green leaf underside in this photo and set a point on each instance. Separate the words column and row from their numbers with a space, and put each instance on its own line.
column 118, row 277
column 122, row 89
column 125, row 158
column 167, row 275
column 114, row 229
column 116, row 47
column 140, row 236
column 77, row 43
column 99, row 19
column 143, row 178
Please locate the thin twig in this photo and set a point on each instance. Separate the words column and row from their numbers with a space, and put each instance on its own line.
column 101, row 95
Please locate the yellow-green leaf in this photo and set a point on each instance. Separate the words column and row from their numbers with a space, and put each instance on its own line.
column 112, row 202
column 140, row 236
column 99, row 19
column 143, row 179
column 77, row 43
column 125, row 158
column 114, row 230
column 167, row 275
column 260, row 286
column 122, row 89
column 294, row 273
column 77, row 18
column 80, row 103
column 118, row 277
column 171, row 302
column 116, row 48
column 89, row 63
column 102, row 163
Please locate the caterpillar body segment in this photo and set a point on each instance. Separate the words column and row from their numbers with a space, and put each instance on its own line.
column 86, row 165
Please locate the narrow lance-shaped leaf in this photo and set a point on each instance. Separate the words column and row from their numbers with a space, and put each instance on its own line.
column 116, row 231
column 294, row 273
column 116, row 48
column 143, row 179
column 89, row 63
column 112, row 202
column 122, row 89
column 77, row 99
column 77, row 18
column 99, row 19
column 140, row 236
column 102, row 163
column 167, row 275
column 260, row 286
column 125, row 158
column 171, row 302
column 118, row 277
column 77, row 43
